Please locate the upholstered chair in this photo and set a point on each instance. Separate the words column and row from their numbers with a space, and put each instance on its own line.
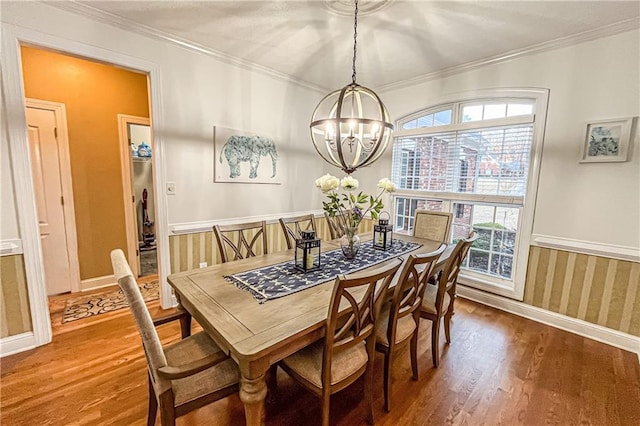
column 183, row 376
column 347, row 350
column 438, row 300
column 241, row 241
column 432, row 225
column 399, row 319
column 293, row 226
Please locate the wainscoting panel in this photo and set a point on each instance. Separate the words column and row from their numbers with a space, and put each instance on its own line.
column 15, row 317
column 595, row 289
column 187, row 251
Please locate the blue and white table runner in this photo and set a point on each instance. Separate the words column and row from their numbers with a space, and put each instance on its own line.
column 274, row 281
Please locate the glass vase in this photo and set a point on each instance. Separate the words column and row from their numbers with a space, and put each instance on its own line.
column 350, row 243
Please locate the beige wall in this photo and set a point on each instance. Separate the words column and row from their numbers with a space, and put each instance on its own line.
column 15, row 317
column 189, row 250
column 595, row 289
column 94, row 94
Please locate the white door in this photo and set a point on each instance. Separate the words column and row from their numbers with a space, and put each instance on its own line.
column 45, row 167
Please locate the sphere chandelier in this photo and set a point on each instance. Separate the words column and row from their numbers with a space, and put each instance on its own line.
column 350, row 127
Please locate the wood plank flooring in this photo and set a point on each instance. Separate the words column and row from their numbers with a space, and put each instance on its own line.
column 500, row 369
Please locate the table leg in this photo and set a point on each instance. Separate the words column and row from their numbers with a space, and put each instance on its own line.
column 252, row 394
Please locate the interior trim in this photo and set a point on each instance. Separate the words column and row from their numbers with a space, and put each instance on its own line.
column 97, row 282
column 604, row 31
column 19, row 343
column 602, row 334
column 204, row 226
column 129, row 25
column 10, row 247
column 587, row 247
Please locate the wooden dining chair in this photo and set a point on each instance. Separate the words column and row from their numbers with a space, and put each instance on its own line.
column 336, row 224
column 347, row 350
column 432, row 225
column 438, row 300
column 293, row 226
column 399, row 320
column 242, row 240
column 183, row 376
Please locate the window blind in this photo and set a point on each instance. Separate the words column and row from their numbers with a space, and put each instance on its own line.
column 492, row 161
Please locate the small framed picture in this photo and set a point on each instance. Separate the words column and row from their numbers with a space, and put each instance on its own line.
column 607, row 141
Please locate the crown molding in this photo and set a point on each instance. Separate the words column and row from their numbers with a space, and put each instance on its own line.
column 604, row 31
column 135, row 27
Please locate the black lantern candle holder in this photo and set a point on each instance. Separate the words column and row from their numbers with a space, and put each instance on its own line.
column 383, row 234
column 307, row 257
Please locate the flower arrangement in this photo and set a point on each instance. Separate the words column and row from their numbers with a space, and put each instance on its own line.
column 348, row 207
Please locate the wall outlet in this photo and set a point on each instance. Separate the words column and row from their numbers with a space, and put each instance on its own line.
column 203, row 264
column 171, row 188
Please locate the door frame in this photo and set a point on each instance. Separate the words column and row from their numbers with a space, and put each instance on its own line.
column 68, row 209
column 126, row 162
column 12, row 37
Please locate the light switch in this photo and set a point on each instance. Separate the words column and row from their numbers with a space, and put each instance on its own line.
column 171, row 188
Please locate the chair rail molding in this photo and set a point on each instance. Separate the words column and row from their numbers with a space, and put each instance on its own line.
column 587, row 247
column 204, row 226
column 14, row 344
column 602, row 334
column 10, row 247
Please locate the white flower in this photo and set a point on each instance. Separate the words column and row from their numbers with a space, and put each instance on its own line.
column 327, row 183
column 387, row 185
column 349, row 183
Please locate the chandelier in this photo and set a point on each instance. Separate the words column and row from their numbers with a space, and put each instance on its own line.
column 350, row 127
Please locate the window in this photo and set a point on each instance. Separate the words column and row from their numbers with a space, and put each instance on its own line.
column 473, row 159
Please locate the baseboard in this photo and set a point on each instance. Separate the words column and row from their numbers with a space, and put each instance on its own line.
column 98, row 282
column 586, row 329
column 18, row 343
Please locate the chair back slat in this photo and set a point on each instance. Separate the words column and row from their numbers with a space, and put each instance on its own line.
column 337, row 224
column 353, row 309
column 408, row 293
column 452, row 268
column 293, row 227
column 150, row 340
column 432, row 225
column 241, row 247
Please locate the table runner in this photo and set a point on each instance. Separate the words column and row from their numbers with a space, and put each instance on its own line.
column 274, row 281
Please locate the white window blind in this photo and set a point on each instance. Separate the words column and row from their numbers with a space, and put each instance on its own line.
column 467, row 164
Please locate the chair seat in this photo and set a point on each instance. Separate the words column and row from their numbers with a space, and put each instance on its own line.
column 308, row 362
column 404, row 328
column 429, row 299
column 206, row 382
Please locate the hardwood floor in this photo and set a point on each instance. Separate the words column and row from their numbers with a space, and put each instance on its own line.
column 499, row 369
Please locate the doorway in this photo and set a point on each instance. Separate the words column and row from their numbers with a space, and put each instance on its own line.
column 93, row 95
column 138, row 176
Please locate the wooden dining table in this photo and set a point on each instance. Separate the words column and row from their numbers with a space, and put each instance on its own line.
column 258, row 335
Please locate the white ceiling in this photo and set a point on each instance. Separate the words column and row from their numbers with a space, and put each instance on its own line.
column 401, row 41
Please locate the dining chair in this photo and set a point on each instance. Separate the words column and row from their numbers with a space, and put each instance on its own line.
column 186, row 375
column 243, row 240
column 347, row 350
column 432, row 225
column 399, row 319
column 293, row 226
column 438, row 300
column 336, row 224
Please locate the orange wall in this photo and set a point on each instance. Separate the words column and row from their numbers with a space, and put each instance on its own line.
column 94, row 94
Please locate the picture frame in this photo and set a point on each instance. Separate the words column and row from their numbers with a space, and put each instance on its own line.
column 607, row 141
column 246, row 157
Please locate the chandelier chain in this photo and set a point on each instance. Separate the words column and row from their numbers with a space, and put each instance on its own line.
column 355, row 42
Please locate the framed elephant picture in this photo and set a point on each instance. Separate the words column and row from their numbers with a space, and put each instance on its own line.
column 245, row 157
